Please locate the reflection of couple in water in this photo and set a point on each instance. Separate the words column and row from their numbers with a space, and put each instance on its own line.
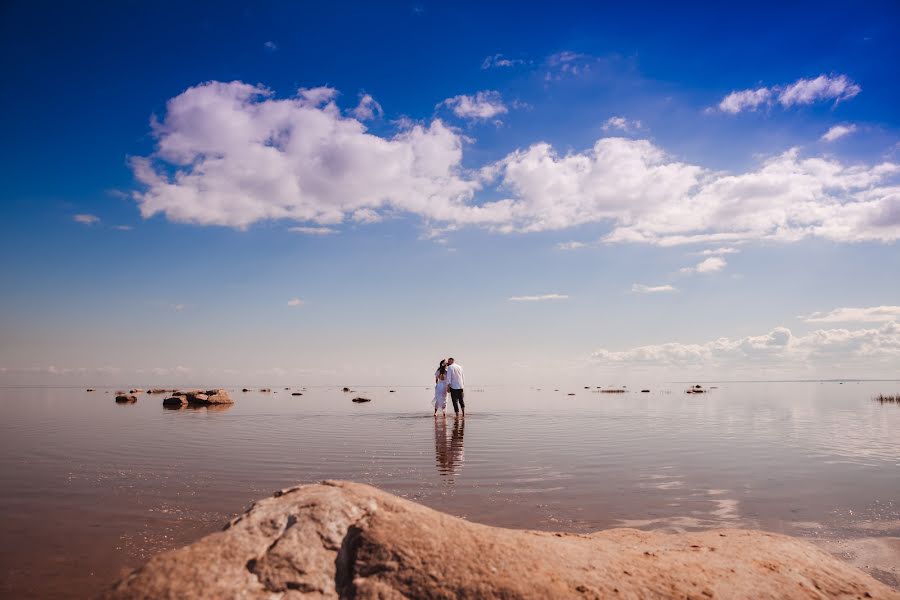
column 448, row 454
column 449, row 377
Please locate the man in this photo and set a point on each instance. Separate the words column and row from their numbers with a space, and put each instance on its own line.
column 457, row 382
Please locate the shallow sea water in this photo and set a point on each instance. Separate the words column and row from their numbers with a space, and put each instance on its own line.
column 89, row 488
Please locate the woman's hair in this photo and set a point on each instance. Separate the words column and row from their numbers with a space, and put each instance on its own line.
column 442, row 368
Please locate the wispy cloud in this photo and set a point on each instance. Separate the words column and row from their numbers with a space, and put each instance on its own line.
column 718, row 251
column 570, row 245
column 708, row 265
column 313, row 230
column 270, row 46
column 542, row 298
column 486, row 104
column 802, row 91
column 640, row 288
column 873, row 314
column 567, row 64
column 498, row 61
column 86, row 219
column 123, row 227
column 837, row 132
column 295, row 302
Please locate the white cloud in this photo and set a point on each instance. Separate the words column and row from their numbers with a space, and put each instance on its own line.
column 823, row 87
column 778, row 348
column 313, row 230
column 570, row 245
column 837, row 132
column 500, row 61
column 802, row 91
column 707, row 265
column 718, row 251
column 123, row 227
column 622, row 124
column 639, row 288
column 86, row 219
column 736, row 102
column 367, row 108
column 874, row 314
column 483, row 105
column 538, row 298
column 177, row 307
column 270, row 46
column 295, row 302
column 231, row 154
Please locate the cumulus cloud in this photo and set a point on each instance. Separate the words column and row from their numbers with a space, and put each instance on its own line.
column 295, row 302
column 639, row 288
column 874, row 314
column 621, row 124
column 538, row 298
column 86, row 219
column 707, row 265
column 499, row 61
column 313, row 230
column 802, row 91
column 367, row 108
column 483, row 105
column 231, row 154
column 779, row 347
column 838, row 131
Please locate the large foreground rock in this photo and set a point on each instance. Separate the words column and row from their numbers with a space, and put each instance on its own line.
column 348, row 540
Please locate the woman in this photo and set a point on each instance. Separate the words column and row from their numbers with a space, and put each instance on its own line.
column 440, row 388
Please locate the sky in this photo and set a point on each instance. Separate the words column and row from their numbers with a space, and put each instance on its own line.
column 293, row 193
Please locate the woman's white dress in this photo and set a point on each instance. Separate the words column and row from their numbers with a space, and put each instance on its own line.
column 440, row 394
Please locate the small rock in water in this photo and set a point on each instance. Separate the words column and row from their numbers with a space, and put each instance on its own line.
column 571, row 394
column 346, row 389
column 90, row 389
column 126, row 399
column 136, row 391
column 361, row 399
column 297, row 394
column 645, row 391
column 265, row 389
column 175, row 401
column 391, row 391
column 245, row 390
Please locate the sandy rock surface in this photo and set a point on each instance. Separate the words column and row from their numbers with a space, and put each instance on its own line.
column 348, row 540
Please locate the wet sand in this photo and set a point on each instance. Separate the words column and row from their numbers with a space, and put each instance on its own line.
column 90, row 488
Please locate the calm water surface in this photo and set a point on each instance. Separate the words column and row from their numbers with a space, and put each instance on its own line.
column 89, row 488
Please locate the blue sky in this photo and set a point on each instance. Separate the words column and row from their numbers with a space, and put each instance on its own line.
column 262, row 193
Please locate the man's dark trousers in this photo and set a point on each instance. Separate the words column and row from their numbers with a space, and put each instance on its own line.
column 458, row 402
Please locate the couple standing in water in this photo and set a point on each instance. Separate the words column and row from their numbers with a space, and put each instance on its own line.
column 449, row 377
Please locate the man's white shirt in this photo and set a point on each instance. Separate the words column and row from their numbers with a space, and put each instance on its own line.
column 457, row 379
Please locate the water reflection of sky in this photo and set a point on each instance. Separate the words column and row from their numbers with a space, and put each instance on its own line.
column 810, row 459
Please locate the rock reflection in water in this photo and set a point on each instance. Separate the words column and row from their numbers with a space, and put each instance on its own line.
column 448, row 453
column 194, row 409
